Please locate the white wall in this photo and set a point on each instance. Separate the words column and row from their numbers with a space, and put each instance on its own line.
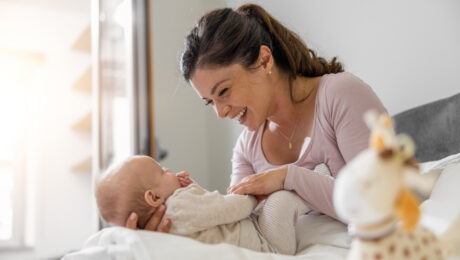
column 181, row 119
column 62, row 199
column 222, row 136
column 406, row 50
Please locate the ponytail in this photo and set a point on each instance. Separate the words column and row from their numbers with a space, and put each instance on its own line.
column 289, row 51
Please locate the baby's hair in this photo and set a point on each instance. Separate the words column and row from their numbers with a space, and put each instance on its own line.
column 120, row 191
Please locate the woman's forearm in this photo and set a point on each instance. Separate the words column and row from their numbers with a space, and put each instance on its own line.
column 315, row 188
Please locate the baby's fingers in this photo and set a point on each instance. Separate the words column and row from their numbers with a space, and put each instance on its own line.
column 184, row 174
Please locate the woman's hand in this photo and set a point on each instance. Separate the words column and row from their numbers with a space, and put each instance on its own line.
column 263, row 183
column 154, row 222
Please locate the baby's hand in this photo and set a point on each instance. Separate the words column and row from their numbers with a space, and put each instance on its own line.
column 184, row 178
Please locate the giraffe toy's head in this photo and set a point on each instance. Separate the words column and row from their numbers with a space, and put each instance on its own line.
column 371, row 187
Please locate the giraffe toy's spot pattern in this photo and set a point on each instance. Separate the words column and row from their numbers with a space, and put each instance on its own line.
column 406, row 252
column 398, row 245
column 391, row 249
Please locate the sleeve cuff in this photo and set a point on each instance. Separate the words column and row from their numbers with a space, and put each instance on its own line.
column 290, row 176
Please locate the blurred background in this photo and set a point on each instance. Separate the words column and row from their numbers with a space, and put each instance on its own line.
column 86, row 83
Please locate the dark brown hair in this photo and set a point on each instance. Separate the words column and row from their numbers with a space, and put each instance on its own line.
column 224, row 37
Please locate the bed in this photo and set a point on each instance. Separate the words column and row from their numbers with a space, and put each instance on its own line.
column 435, row 128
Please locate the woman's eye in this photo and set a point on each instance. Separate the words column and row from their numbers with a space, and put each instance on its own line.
column 223, row 91
column 208, row 102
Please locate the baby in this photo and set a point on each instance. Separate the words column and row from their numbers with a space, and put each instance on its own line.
column 141, row 185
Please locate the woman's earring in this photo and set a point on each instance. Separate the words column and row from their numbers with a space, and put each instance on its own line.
column 269, row 72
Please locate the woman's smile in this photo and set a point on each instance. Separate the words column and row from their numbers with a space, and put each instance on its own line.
column 242, row 115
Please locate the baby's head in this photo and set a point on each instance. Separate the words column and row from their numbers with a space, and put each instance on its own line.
column 138, row 184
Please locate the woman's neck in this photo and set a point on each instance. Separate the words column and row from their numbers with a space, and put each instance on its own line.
column 286, row 112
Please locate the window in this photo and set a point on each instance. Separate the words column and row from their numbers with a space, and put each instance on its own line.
column 16, row 69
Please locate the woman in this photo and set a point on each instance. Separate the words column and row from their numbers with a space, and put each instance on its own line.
column 299, row 110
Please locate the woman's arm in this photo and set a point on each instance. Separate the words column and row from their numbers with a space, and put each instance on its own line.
column 315, row 188
column 346, row 99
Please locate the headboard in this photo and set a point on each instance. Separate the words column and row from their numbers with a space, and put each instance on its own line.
column 435, row 128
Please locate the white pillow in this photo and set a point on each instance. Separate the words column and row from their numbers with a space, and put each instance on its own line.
column 439, row 165
column 443, row 207
column 447, row 188
column 430, row 173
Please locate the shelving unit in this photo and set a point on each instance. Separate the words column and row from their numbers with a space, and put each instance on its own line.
column 83, row 85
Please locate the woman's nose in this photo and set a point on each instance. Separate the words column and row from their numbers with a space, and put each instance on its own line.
column 222, row 110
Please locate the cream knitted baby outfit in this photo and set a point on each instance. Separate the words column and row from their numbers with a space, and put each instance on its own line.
column 211, row 217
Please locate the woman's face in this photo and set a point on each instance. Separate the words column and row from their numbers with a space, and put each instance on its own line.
column 235, row 92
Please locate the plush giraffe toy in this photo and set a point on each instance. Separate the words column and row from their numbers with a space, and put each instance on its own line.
column 371, row 195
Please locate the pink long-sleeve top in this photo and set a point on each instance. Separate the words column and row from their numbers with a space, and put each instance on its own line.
column 339, row 133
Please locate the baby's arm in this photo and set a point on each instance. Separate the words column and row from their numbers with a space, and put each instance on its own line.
column 195, row 209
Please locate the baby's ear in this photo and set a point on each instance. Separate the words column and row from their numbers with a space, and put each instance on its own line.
column 153, row 199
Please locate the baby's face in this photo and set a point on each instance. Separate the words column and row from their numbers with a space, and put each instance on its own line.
column 164, row 182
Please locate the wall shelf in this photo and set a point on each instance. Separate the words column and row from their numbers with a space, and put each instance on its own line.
column 83, row 166
column 84, row 124
column 83, row 83
column 83, row 42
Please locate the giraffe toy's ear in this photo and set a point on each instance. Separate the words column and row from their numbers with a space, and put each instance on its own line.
column 376, row 139
column 371, row 119
column 385, row 121
column 406, row 146
column 407, row 209
column 382, row 134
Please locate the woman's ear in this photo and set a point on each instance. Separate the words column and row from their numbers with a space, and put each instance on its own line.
column 266, row 58
column 153, row 199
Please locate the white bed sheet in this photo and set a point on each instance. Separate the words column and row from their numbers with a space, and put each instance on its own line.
column 319, row 237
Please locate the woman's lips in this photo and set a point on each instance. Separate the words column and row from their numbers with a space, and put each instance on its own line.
column 243, row 119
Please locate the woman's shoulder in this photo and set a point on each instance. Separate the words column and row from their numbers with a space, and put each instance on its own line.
column 341, row 82
column 343, row 88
